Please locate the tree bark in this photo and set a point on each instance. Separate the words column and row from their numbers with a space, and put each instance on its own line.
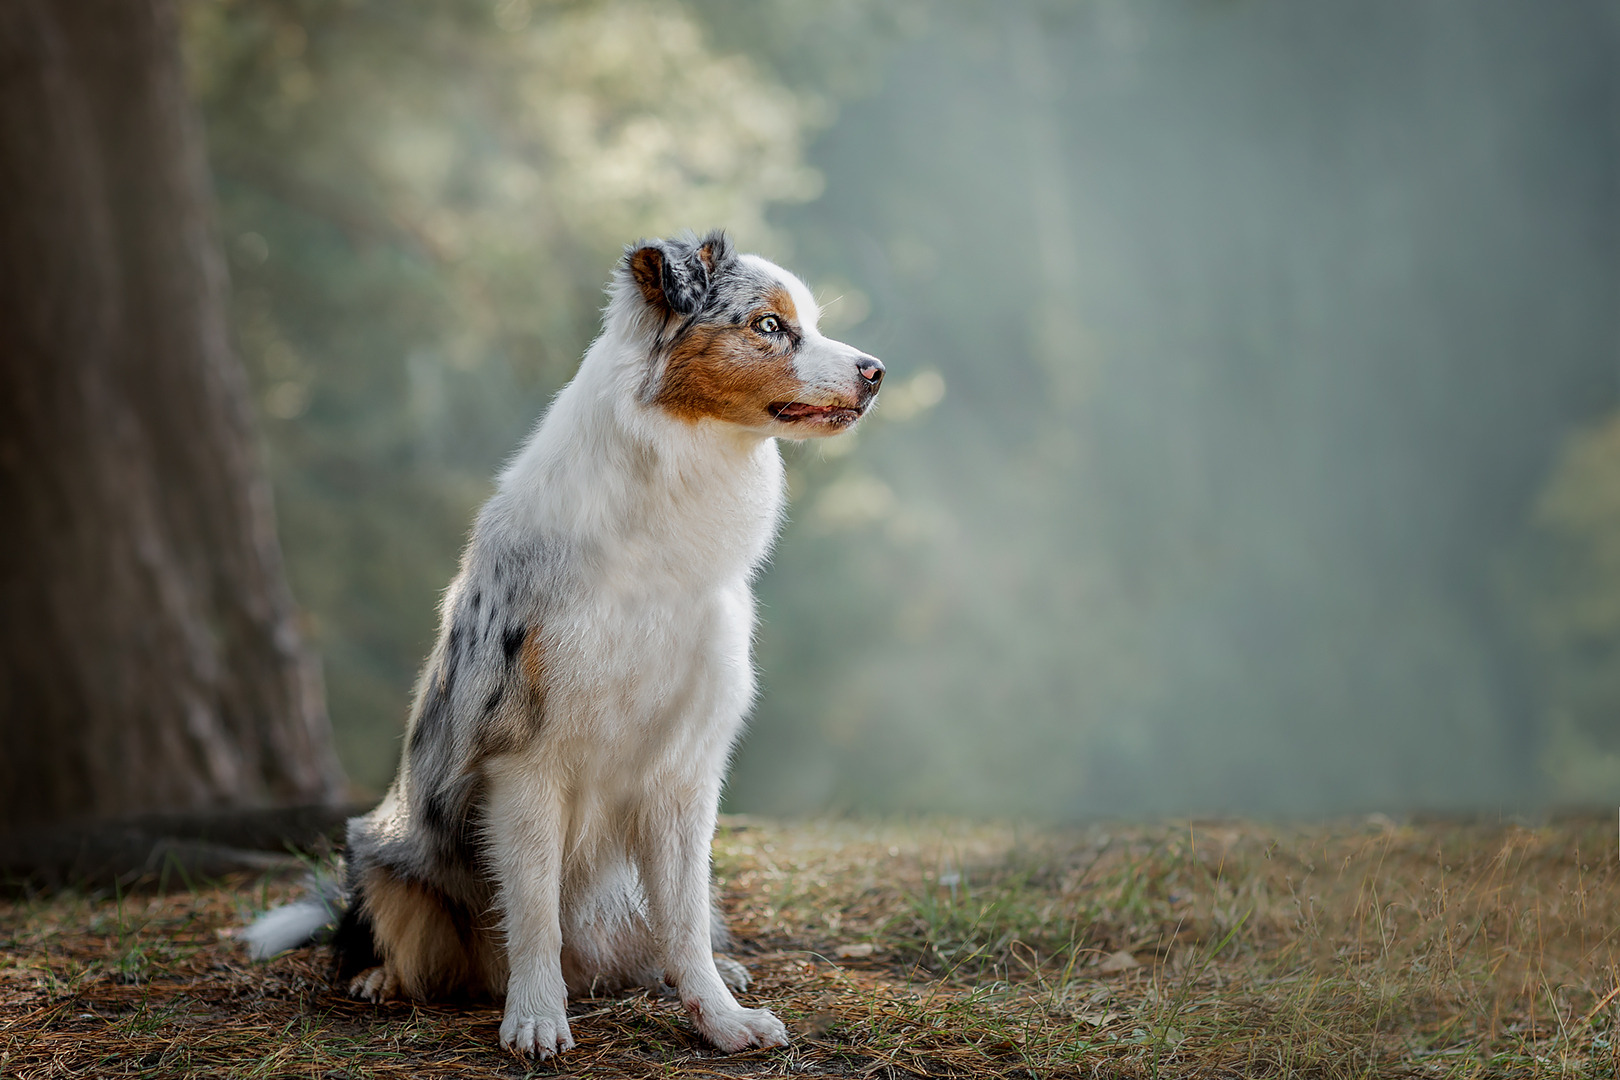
column 149, row 654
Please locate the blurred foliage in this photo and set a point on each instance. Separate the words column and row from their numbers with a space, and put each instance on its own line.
column 1232, row 348
column 1565, row 577
column 422, row 202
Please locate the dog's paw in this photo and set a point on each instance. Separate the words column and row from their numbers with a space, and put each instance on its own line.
column 374, row 984
column 539, row 1032
column 733, row 974
column 737, row 1028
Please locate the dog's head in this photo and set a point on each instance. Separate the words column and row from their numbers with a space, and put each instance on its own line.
column 733, row 338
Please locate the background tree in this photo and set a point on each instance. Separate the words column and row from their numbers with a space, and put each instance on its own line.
column 149, row 656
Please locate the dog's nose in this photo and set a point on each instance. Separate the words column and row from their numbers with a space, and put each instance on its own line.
column 871, row 369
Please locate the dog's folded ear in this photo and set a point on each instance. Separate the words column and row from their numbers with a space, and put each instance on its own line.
column 674, row 275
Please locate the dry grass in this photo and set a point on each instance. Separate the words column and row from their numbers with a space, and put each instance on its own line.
column 940, row 949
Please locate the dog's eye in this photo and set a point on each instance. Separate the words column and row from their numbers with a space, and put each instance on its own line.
column 768, row 324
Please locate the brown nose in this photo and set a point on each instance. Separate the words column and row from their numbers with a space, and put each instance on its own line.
column 871, row 370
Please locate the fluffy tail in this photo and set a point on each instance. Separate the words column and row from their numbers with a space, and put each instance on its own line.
column 300, row 923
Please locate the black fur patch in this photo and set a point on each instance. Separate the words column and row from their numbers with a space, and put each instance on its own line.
column 438, row 811
column 448, row 814
column 494, row 698
column 513, row 640
column 432, row 721
column 354, row 949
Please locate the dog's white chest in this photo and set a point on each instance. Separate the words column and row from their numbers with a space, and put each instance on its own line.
column 649, row 668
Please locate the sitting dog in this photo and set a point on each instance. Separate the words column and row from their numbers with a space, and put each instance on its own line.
column 548, row 831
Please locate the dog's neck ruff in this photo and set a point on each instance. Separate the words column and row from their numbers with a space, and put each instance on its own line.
column 621, row 479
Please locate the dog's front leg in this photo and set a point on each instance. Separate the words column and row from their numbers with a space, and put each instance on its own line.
column 673, row 853
column 525, row 845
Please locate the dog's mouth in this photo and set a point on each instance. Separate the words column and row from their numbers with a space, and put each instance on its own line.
column 797, row 412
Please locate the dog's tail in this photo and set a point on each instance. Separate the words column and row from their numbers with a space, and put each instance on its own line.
column 302, row 922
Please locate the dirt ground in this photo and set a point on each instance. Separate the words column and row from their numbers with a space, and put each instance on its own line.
column 1365, row 948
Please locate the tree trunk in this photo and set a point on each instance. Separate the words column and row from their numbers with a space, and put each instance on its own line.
column 149, row 656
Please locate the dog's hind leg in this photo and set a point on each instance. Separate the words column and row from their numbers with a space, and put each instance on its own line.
column 606, row 951
column 732, row 973
column 375, row 984
column 426, row 945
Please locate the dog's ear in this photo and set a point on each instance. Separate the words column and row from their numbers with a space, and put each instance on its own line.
column 714, row 251
column 674, row 275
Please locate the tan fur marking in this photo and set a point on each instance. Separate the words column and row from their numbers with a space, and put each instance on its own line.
column 510, row 727
column 706, row 253
column 781, row 303
column 534, row 662
column 647, row 270
column 426, row 954
column 729, row 372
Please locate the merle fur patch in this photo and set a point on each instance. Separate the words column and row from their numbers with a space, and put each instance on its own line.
column 677, row 276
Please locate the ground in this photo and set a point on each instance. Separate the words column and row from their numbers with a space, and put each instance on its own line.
column 1366, row 948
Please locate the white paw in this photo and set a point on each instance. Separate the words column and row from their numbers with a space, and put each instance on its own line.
column 540, row 1032
column 737, row 1028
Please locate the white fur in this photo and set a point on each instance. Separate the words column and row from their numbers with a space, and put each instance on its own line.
column 287, row 927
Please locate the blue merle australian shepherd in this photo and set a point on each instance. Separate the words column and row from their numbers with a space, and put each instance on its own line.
column 548, row 831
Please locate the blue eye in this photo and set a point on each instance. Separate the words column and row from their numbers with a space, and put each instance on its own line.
column 768, row 324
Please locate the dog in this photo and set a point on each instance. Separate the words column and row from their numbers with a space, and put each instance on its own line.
column 548, row 831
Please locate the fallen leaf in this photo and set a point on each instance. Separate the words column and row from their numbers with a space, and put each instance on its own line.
column 850, row 952
column 1114, row 963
